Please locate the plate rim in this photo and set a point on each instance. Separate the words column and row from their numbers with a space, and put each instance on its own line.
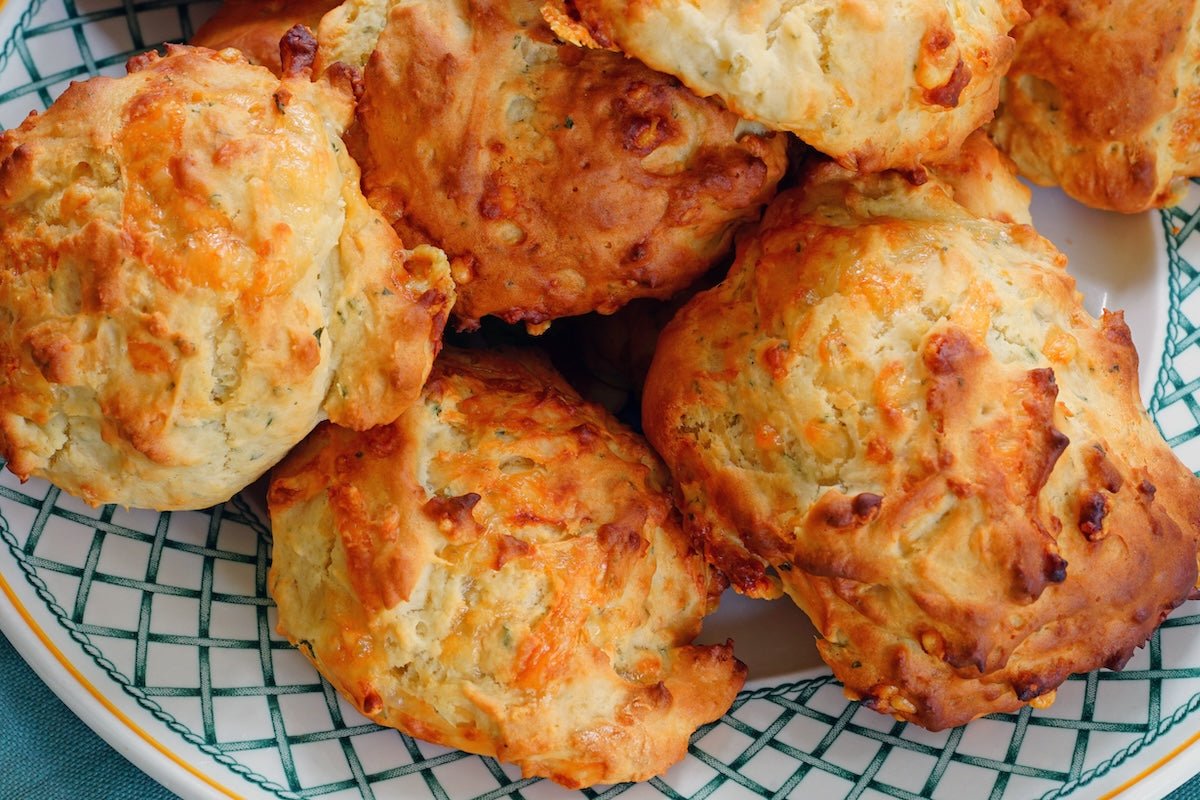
column 26, row 631
column 89, row 703
column 148, row 752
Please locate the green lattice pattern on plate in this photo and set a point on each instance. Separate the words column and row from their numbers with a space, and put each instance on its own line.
column 251, row 700
column 1176, row 402
column 803, row 736
column 57, row 41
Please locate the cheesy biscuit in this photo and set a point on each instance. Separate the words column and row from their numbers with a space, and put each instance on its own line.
column 559, row 180
column 502, row 570
column 191, row 279
column 899, row 413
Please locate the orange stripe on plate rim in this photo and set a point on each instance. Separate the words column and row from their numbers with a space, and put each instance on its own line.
column 96, row 693
column 104, row 701
column 1150, row 770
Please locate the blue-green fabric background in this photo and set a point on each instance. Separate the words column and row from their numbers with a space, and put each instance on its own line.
column 46, row 753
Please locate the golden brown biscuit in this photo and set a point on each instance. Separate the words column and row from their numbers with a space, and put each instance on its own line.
column 872, row 84
column 350, row 31
column 559, row 180
column 191, row 279
column 900, row 414
column 255, row 27
column 1103, row 99
column 502, row 570
column 980, row 179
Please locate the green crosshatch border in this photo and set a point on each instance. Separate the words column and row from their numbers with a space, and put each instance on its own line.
column 1182, row 333
column 791, row 700
column 75, row 21
column 758, row 718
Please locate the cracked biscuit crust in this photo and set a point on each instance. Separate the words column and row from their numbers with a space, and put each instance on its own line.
column 502, row 571
column 559, row 180
column 900, row 414
column 190, row 279
column 1103, row 99
column 872, row 84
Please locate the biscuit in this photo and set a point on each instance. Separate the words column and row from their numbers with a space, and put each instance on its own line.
column 899, row 413
column 874, row 85
column 350, row 31
column 1103, row 99
column 980, row 179
column 255, row 27
column 191, row 279
column 559, row 180
column 502, row 570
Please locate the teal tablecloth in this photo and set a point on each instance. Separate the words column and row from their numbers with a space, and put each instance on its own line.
column 1189, row 791
column 46, row 753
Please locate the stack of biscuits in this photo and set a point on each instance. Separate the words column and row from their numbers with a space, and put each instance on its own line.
column 333, row 243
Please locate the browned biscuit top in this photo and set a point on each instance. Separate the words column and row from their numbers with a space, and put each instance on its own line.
column 191, row 279
column 874, row 85
column 501, row 570
column 255, row 27
column 900, row 414
column 559, row 180
column 1103, row 99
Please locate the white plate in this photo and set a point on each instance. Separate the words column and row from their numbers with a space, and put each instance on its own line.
column 157, row 630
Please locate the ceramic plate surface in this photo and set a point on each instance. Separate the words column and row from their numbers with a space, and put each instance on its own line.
column 158, row 630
